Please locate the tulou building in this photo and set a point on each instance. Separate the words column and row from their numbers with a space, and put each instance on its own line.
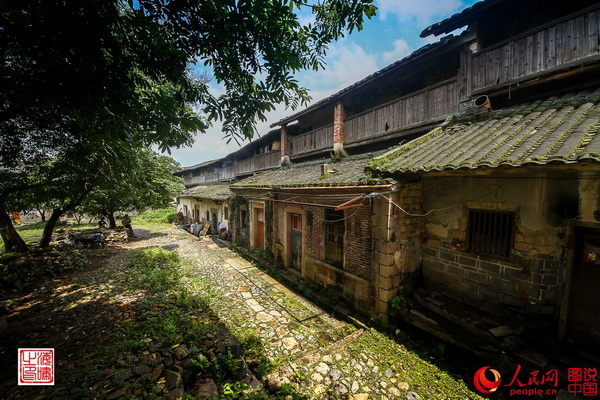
column 457, row 188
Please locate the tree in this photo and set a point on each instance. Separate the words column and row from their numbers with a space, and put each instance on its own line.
column 79, row 76
column 144, row 180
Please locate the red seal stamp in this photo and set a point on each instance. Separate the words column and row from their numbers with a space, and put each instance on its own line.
column 36, row 367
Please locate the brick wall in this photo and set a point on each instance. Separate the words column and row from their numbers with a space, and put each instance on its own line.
column 338, row 123
column 314, row 232
column 397, row 245
column 358, row 246
column 529, row 281
column 525, row 282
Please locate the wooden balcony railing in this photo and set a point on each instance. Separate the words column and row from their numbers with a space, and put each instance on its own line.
column 218, row 175
column 321, row 138
column 434, row 102
column 258, row 163
column 569, row 41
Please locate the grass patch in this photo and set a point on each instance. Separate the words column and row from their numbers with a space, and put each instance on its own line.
column 425, row 378
column 162, row 215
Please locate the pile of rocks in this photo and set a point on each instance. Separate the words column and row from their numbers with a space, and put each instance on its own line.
column 19, row 269
column 118, row 235
column 196, row 370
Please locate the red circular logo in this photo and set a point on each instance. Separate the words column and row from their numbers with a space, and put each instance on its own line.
column 483, row 384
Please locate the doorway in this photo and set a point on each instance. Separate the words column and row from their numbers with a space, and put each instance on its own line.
column 296, row 240
column 259, row 228
column 583, row 324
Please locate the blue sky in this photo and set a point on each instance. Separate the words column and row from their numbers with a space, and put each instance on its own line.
column 388, row 37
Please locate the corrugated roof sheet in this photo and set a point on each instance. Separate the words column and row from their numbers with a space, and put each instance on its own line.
column 212, row 192
column 561, row 129
column 348, row 171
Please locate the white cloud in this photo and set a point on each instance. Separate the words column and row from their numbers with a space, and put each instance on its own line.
column 423, row 11
column 346, row 63
column 401, row 50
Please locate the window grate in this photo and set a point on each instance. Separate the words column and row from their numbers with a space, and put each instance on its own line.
column 491, row 232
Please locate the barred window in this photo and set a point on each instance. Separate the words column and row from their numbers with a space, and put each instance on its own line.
column 334, row 237
column 491, row 232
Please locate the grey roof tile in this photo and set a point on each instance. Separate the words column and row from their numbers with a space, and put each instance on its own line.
column 560, row 129
column 212, row 192
column 347, row 171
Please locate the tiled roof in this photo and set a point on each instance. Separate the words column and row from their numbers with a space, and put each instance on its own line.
column 561, row 129
column 195, row 166
column 212, row 192
column 457, row 20
column 348, row 171
column 398, row 64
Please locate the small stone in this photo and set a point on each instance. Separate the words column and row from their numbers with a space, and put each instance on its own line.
column 187, row 363
column 501, row 331
column 403, row 386
column 153, row 359
column 264, row 317
column 157, row 372
column 359, row 396
column 208, row 388
column 316, row 377
column 389, row 373
column 341, row 389
column 175, row 394
column 276, row 381
column 181, row 352
column 412, row 396
column 252, row 382
column 167, row 359
column 335, row 374
column 289, row 343
column 355, row 387
column 394, row 392
column 173, row 380
column 117, row 394
column 370, row 363
column 322, row 368
column 141, row 370
column 327, row 358
column 132, row 358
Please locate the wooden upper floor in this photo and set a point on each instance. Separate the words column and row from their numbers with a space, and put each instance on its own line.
column 505, row 53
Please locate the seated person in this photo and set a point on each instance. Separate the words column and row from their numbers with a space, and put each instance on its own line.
column 224, row 230
column 196, row 228
column 178, row 219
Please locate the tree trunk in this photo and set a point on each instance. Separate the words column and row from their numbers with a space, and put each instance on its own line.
column 12, row 240
column 49, row 227
column 111, row 219
column 42, row 214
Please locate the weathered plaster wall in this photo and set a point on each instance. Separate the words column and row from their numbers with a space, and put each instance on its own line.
column 531, row 279
column 203, row 206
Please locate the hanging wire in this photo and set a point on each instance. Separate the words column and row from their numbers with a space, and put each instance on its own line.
column 335, row 220
column 435, row 209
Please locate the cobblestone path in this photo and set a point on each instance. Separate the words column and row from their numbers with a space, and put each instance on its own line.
column 321, row 356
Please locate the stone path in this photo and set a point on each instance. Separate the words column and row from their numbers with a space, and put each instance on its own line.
column 319, row 355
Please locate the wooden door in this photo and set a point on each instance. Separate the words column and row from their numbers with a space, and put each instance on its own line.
column 583, row 325
column 259, row 232
column 296, row 238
